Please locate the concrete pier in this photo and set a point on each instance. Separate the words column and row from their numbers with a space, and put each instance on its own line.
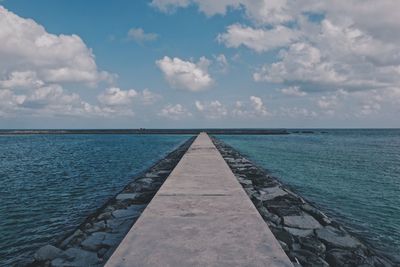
column 201, row 216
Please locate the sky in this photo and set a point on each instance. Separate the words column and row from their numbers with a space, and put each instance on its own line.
column 199, row 63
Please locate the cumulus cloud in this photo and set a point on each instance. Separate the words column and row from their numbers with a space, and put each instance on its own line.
column 174, row 112
column 222, row 63
column 186, row 75
column 140, row 36
column 260, row 11
column 253, row 108
column 325, row 45
column 30, row 54
column 122, row 102
column 212, row 109
column 47, row 101
column 293, row 91
column 260, row 40
column 297, row 112
column 116, row 97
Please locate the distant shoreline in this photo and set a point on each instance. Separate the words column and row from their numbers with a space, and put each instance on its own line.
column 147, row 131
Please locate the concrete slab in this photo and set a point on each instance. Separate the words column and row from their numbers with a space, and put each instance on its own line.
column 201, row 216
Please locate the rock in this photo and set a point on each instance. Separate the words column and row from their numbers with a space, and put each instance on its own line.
column 335, row 238
column 75, row 236
column 307, row 258
column 81, row 258
column 47, row 252
column 119, row 225
column 101, row 252
column 282, row 235
column 97, row 226
column 125, row 196
column 151, row 175
column 104, row 216
column 312, row 244
column 284, row 246
column 272, row 192
column 93, row 242
column 131, row 211
column 322, row 218
column 303, row 221
column 99, row 240
column 58, row 262
column 245, row 182
column 339, row 257
column 299, row 232
column 268, row 216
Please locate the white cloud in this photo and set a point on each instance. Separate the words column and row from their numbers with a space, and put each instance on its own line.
column 212, row 109
column 148, row 97
column 116, row 97
column 47, row 101
column 260, row 40
column 297, row 112
column 222, row 63
column 258, row 106
column 293, row 91
column 186, row 75
column 138, row 35
column 252, row 109
column 348, row 45
column 260, row 11
column 26, row 48
column 174, row 112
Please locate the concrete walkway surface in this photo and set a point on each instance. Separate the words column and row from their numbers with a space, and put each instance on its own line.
column 201, row 216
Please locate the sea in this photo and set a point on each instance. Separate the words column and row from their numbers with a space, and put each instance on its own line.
column 49, row 183
column 351, row 175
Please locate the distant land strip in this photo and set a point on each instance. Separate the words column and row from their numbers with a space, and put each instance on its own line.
column 149, row 131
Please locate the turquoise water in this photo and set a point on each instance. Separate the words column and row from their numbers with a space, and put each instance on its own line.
column 50, row 183
column 353, row 175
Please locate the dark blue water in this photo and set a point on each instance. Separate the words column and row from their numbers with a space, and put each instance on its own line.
column 50, row 183
column 353, row 175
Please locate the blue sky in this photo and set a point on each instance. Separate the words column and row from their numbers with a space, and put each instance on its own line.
column 191, row 63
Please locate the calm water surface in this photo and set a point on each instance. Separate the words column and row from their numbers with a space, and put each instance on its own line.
column 50, row 183
column 353, row 175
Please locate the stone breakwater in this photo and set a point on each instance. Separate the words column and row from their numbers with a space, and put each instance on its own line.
column 307, row 235
column 94, row 241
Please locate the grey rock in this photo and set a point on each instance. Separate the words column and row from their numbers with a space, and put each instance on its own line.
column 119, row 225
column 307, row 258
column 245, row 182
column 339, row 257
column 131, row 211
column 303, row 221
column 47, row 252
column 58, row 262
column 312, row 244
column 97, row 226
column 81, row 258
column 104, row 216
column 99, row 240
column 69, row 240
column 268, row 216
column 321, row 217
column 126, row 196
column 333, row 237
column 284, row 246
column 282, row 235
column 151, row 175
column 299, row 232
column 272, row 192
column 94, row 241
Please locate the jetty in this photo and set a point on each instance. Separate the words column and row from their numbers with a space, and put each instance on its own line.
column 201, row 216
